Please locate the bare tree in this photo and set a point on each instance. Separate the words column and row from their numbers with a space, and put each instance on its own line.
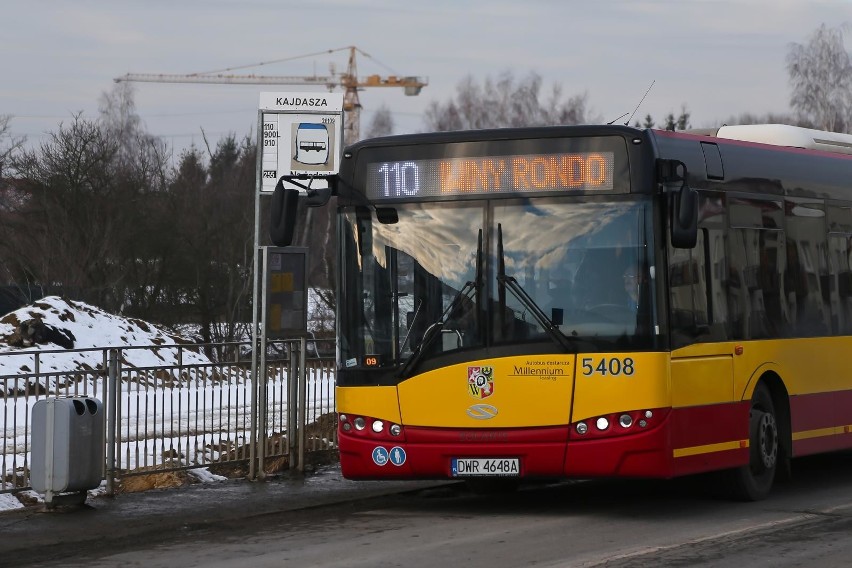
column 118, row 111
column 10, row 197
column 139, row 151
column 821, row 78
column 506, row 102
column 64, row 231
column 9, row 144
column 142, row 174
column 382, row 123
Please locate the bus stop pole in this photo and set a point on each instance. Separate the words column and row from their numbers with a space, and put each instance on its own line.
column 254, row 300
column 262, row 375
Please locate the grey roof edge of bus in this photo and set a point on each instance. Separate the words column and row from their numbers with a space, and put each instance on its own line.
column 772, row 134
column 491, row 134
column 782, row 135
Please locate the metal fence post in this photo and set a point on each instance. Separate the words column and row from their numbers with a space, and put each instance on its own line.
column 112, row 403
column 261, row 410
column 303, row 401
column 253, row 409
column 292, row 405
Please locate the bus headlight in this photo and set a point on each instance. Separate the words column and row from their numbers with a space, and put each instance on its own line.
column 395, row 430
column 378, row 426
column 360, row 423
column 624, row 423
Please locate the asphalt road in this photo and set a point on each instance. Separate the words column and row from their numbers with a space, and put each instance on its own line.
column 806, row 522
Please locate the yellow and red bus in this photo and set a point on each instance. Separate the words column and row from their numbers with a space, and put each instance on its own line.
column 594, row 301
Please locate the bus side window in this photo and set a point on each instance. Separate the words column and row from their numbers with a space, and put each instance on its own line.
column 839, row 221
column 698, row 279
column 717, row 282
column 840, row 251
column 756, row 253
column 688, row 287
column 807, row 284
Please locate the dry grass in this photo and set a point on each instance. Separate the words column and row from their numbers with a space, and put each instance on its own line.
column 146, row 482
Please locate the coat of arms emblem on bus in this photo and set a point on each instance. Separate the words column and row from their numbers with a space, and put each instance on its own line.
column 480, row 381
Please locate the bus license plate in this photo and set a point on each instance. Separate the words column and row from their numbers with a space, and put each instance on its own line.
column 474, row 467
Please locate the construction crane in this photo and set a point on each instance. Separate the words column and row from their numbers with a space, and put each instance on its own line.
column 349, row 81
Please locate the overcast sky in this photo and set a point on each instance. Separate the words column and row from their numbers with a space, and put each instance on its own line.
column 719, row 57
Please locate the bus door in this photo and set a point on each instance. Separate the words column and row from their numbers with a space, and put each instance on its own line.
column 708, row 420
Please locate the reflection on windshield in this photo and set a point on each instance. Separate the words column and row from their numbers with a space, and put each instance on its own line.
column 410, row 275
column 411, row 289
column 574, row 261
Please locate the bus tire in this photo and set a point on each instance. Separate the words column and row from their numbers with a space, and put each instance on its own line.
column 753, row 482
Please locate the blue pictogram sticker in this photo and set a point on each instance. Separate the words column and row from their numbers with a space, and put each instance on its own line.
column 380, row 456
column 397, row 456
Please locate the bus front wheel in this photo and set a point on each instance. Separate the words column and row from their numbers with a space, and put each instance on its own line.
column 753, row 482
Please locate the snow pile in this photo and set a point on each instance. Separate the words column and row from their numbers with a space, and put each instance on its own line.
column 89, row 329
column 9, row 502
column 204, row 475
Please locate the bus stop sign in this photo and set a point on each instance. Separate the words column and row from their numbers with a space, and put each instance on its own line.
column 300, row 136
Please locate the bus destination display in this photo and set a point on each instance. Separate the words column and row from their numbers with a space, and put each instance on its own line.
column 490, row 174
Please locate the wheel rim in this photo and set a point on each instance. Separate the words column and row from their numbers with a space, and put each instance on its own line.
column 767, row 440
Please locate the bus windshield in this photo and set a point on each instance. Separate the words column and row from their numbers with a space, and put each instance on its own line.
column 448, row 277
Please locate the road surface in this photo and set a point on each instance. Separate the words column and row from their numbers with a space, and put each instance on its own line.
column 806, row 522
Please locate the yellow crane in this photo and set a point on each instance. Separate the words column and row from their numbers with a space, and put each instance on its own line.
column 349, row 81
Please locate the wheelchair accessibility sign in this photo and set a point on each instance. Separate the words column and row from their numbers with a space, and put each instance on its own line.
column 382, row 456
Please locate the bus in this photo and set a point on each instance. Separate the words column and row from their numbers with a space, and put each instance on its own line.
column 592, row 301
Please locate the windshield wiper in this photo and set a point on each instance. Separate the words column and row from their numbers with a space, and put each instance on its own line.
column 518, row 292
column 471, row 289
column 411, row 326
column 510, row 283
column 436, row 328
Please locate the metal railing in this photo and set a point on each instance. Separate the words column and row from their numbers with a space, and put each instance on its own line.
column 191, row 411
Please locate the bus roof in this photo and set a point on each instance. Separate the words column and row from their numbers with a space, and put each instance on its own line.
column 786, row 135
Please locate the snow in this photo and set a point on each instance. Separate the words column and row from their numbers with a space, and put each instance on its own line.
column 9, row 502
column 203, row 475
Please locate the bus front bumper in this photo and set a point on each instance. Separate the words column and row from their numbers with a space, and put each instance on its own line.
column 432, row 453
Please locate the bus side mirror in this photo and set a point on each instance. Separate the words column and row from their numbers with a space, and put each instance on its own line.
column 319, row 197
column 285, row 200
column 684, row 222
column 683, row 204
